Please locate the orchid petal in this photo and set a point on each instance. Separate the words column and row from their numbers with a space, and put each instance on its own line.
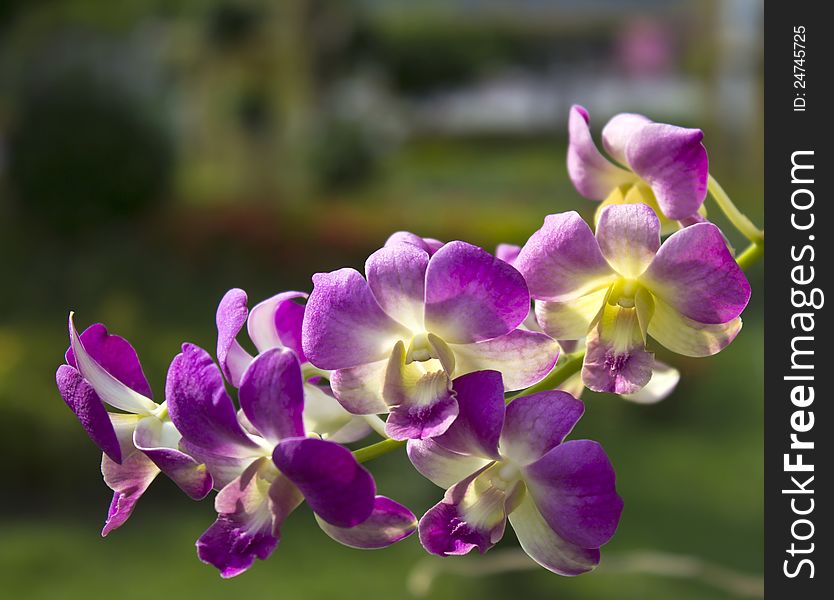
column 325, row 416
column 441, row 466
column 618, row 131
column 336, row 487
column 344, row 326
column 87, row 406
column 591, row 173
column 397, row 276
column 687, row 337
column 640, row 193
column 695, row 273
column 430, row 245
column 562, row 260
column 230, row 318
column 663, row 382
column 109, row 389
column 537, row 423
column 673, row 161
column 389, row 523
column 545, row 546
column 480, row 401
column 572, row 319
column 522, row 357
column 507, row 252
column 629, row 237
column 276, row 323
column 472, row 296
column 573, row 486
column 272, row 395
column 359, row 389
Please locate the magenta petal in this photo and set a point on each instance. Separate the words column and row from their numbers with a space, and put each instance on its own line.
column 562, row 260
column 115, row 355
column 618, row 131
column 276, row 322
column 189, row 475
column 272, row 395
column 507, row 252
column 344, row 326
column 88, row 407
column 629, row 237
column 696, row 274
column 389, row 523
column 673, row 161
column 480, row 399
column 397, row 277
column 336, row 487
column 420, row 422
column 200, row 407
column 128, row 480
column 473, row 296
column 608, row 369
column 573, row 486
column 430, row 245
column 593, row 176
column 537, row 423
column 230, row 318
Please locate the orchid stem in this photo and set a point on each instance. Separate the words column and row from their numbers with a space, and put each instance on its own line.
column 736, row 217
column 556, row 377
column 376, row 450
column 751, row 255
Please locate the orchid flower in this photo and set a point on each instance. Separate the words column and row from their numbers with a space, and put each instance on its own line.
column 663, row 166
column 265, row 463
column 621, row 286
column 509, row 462
column 136, row 443
column 424, row 315
column 276, row 323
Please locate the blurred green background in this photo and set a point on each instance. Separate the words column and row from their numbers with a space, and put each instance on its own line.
column 154, row 154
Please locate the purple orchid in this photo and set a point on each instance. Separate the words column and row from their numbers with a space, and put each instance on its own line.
column 424, row 314
column 509, row 462
column 276, row 323
column 266, row 464
column 136, row 443
column 622, row 285
column 666, row 167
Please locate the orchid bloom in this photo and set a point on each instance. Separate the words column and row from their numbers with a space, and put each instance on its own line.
column 424, row 315
column 500, row 462
column 663, row 166
column 622, row 285
column 266, row 463
column 276, row 323
column 136, row 443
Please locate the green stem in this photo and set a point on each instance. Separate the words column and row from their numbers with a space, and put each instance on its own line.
column 751, row 255
column 560, row 373
column 376, row 450
column 736, row 217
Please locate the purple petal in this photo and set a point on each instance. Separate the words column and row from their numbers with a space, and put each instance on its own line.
column 619, row 131
column 570, row 320
column 544, row 546
column 244, row 529
column 480, row 400
column 687, row 337
column 593, row 176
column 389, row 523
column 696, row 274
column 522, row 357
column 629, row 237
column 359, row 389
column 272, row 395
column 344, row 325
column 108, row 388
column 230, row 318
column 397, row 277
column 616, row 359
column 421, row 402
column 325, row 416
column 473, row 296
column 573, row 487
column 200, row 407
column 442, row 467
column 430, row 245
column 537, row 423
column 471, row 515
column 128, row 480
column 87, row 406
column 276, row 323
column 562, row 260
column 115, row 355
column 507, row 252
column 336, row 487
column 159, row 441
column 673, row 161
